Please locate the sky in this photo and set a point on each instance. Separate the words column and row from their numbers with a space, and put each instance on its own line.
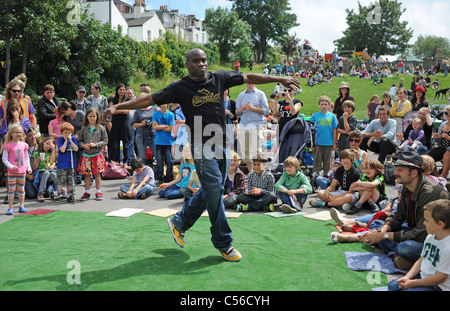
column 323, row 21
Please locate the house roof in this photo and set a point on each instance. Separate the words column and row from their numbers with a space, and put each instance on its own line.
column 138, row 21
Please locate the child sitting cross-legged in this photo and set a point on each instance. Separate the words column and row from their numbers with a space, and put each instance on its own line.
column 171, row 190
column 344, row 177
column 260, row 189
column 142, row 184
column 371, row 189
column 293, row 186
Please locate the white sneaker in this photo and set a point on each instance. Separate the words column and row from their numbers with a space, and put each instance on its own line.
column 337, row 217
column 231, row 254
column 347, row 206
column 286, row 208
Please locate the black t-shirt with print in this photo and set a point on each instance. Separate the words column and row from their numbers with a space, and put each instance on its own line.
column 346, row 178
column 202, row 103
column 285, row 112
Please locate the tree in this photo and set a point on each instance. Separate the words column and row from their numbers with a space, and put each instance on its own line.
column 426, row 46
column 387, row 36
column 228, row 39
column 289, row 46
column 270, row 21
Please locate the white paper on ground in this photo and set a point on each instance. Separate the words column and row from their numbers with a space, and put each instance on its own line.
column 124, row 212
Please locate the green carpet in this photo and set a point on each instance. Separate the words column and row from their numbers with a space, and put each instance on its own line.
column 288, row 254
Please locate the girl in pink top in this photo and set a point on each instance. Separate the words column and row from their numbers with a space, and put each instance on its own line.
column 54, row 125
column 16, row 159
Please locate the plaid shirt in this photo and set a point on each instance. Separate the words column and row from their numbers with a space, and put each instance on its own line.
column 265, row 181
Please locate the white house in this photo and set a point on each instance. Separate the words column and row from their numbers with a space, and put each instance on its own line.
column 144, row 25
column 107, row 11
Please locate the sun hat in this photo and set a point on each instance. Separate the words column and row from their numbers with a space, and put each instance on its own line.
column 344, row 85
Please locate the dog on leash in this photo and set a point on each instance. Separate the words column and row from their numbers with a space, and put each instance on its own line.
column 442, row 92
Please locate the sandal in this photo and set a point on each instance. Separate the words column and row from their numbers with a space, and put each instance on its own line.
column 122, row 195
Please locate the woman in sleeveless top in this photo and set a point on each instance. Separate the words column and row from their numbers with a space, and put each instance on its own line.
column 442, row 152
column 361, row 156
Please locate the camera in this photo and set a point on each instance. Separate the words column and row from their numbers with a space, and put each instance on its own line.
column 284, row 93
column 148, row 122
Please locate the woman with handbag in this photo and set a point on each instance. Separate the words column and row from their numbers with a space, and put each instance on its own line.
column 92, row 138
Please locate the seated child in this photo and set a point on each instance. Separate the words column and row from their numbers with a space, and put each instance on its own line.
column 171, row 190
column 44, row 161
column 142, row 183
column 260, row 190
column 431, row 270
column 324, row 182
column 344, row 177
column 235, row 183
column 371, row 189
column 429, row 166
column 416, row 137
column 189, row 191
column 293, row 186
column 67, row 162
column 362, row 224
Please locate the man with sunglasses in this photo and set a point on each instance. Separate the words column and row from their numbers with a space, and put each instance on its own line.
column 379, row 135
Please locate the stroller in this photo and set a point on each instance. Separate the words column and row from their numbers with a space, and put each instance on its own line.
column 296, row 136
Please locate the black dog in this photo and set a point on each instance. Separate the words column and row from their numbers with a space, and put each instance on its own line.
column 442, row 92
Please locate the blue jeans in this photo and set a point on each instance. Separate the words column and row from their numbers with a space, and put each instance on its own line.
column 44, row 177
column 172, row 192
column 256, row 202
column 144, row 189
column 212, row 170
column 323, row 182
column 164, row 157
column 393, row 286
column 129, row 146
column 409, row 248
column 301, row 198
column 230, row 201
column 142, row 141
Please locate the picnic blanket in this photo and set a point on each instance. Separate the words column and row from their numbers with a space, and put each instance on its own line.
column 358, row 261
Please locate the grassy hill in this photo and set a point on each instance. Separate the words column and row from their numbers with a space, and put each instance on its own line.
column 361, row 89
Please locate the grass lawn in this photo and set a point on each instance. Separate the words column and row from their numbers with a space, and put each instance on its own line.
column 361, row 89
column 87, row 251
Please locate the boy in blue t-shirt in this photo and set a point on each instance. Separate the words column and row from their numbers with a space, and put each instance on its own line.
column 67, row 162
column 163, row 123
column 326, row 127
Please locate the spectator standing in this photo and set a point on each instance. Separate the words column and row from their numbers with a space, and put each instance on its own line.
column 97, row 100
column 82, row 103
column 46, row 108
column 251, row 107
column 145, row 134
column 326, row 126
column 344, row 94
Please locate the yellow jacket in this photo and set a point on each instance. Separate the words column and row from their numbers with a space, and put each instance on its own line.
column 407, row 107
